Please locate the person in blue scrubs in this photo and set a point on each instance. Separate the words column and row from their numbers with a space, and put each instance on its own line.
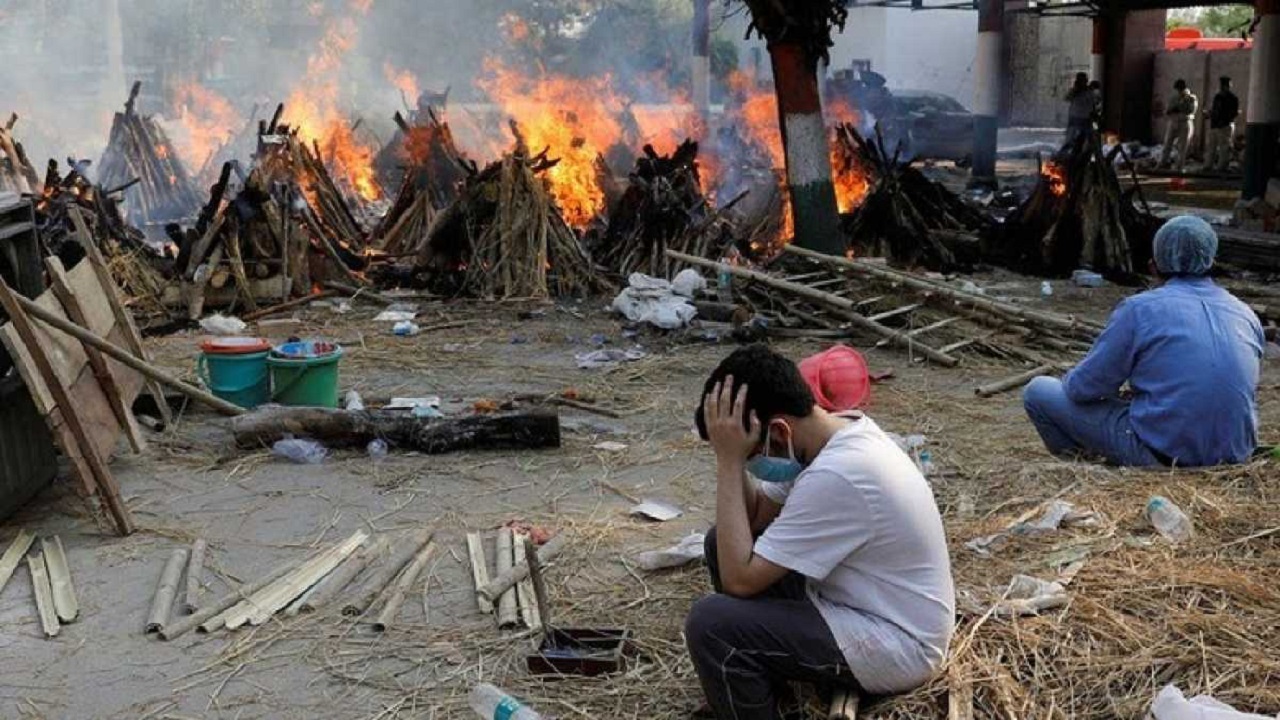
column 1190, row 354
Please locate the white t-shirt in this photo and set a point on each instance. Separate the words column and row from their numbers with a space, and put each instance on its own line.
column 862, row 525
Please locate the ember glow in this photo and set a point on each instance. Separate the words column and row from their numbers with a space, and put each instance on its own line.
column 312, row 108
column 1056, row 177
column 206, row 120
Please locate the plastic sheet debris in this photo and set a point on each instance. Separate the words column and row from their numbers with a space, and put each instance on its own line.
column 353, row 401
column 657, row 510
column 377, row 448
column 610, row 446
column 302, row 452
column 686, row 551
column 608, row 357
column 688, row 283
column 1171, row 704
column 1055, row 515
column 219, row 324
column 1031, row 596
column 410, row 403
column 397, row 312
column 652, row 300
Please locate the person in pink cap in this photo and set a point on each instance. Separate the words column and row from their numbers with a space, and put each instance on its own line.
column 828, row 556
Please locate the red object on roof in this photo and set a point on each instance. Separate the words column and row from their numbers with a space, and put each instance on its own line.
column 1189, row 38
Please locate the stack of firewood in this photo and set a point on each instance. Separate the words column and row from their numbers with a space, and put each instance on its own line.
column 906, row 217
column 1078, row 216
column 662, row 207
column 505, row 237
column 17, row 174
column 140, row 160
column 434, row 170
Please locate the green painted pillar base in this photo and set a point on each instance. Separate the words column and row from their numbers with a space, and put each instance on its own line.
column 817, row 219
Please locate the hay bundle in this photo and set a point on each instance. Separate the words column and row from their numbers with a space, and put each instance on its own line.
column 140, row 157
column 905, row 216
column 662, row 208
column 505, row 237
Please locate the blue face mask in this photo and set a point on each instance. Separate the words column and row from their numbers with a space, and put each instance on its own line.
column 775, row 470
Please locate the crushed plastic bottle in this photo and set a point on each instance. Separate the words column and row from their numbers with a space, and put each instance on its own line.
column 1046, row 289
column 377, row 448
column 404, row 328
column 302, row 452
column 491, row 703
column 1169, row 520
column 926, row 463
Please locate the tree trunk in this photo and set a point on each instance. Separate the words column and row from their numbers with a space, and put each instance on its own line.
column 808, row 154
column 347, row 428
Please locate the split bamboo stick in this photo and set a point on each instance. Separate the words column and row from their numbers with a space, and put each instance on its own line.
column 64, row 593
column 195, row 571
column 844, row 705
column 203, row 618
column 260, row 606
column 842, row 306
column 1013, row 381
column 166, row 590
column 387, row 616
column 376, row 584
column 508, row 605
column 336, row 581
column 527, row 601
column 13, row 555
column 43, row 594
column 539, row 584
column 507, row 579
column 479, row 569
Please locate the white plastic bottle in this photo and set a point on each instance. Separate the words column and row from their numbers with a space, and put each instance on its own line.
column 1169, row 520
column 491, row 703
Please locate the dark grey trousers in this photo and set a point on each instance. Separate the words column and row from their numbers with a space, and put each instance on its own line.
column 745, row 651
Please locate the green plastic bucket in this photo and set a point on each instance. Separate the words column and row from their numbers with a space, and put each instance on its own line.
column 305, row 381
column 241, row 378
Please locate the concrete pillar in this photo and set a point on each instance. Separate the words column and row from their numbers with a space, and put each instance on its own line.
column 700, row 72
column 1098, row 55
column 988, row 79
column 1263, row 129
column 808, row 156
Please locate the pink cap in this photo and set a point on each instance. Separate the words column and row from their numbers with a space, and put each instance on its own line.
column 838, row 378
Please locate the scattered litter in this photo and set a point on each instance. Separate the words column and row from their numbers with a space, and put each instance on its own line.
column 353, row 401
column 1031, row 596
column 1169, row 520
column 606, row 358
column 410, row 403
column 538, row 534
column 342, row 307
column 1056, row 514
column 1046, row 289
column 1171, row 704
column 219, row 324
column 688, row 283
column 657, row 510
column 302, row 452
column 426, row 411
column 1087, row 279
column 610, row 446
column 689, row 549
column 404, row 328
column 395, row 316
column 652, row 300
column 377, row 448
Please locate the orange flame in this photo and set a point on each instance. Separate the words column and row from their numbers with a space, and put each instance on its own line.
column 207, row 121
column 312, row 108
column 403, row 80
column 1054, row 174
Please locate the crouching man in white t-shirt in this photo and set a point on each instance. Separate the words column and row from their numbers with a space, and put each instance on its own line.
column 830, row 565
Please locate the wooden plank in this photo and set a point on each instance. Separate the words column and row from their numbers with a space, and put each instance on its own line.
column 124, row 319
column 61, row 286
column 102, row 478
column 13, row 555
column 44, row 594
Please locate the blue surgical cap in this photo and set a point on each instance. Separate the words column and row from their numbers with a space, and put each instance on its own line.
column 1185, row 245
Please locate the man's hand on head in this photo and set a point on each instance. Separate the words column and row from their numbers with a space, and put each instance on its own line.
column 731, row 438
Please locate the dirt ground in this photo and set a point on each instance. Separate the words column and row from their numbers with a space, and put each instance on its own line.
column 257, row 511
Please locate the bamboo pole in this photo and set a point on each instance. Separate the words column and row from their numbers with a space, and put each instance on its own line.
column 407, row 578
column 195, row 570
column 1013, row 381
column 377, row 583
column 166, row 590
column 202, row 618
column 844, row 705
column 842, row 306
column 525, row 597
column 336, row 581
column 479, row 569
column 1007, row 310
column 507, row 579
column 508, row 604
column 539, row 584
column 64, row 593
column 260, row 606
column 44, row 594
column 13, row 555
column 120, row 354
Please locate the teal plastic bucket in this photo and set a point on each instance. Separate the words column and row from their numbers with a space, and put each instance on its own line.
column 305, row 381
column 241, row 379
